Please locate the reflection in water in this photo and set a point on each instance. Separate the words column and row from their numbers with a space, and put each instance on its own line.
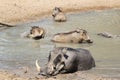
column 17, row 52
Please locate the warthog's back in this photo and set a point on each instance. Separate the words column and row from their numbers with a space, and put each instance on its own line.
column 71, row 37
column 81, row 59
column 86, row 61
column 60, row 17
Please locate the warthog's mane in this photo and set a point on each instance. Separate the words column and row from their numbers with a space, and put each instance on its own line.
column 36, row 28
column 67, row 33
column 57, row 8
column 69, row 49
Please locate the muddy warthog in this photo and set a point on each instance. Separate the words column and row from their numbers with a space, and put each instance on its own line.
column 108, row 35
column 76, row 36
column 58, row 15
column 66, row 60
column 35, row 33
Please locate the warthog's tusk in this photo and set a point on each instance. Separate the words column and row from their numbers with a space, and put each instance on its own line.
column 41, row 33
column 38, row 67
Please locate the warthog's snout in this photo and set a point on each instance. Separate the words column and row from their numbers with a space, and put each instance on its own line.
column 53, row 15
column 90, row 41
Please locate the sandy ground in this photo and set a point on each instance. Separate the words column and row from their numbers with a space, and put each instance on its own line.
column 19, row 11
column 5, row 75
column 16, row 11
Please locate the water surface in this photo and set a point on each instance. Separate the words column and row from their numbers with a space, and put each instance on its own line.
column 17, row 52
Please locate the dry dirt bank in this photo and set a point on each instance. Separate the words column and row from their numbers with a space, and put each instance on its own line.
column 5, row 75
column 17, row 11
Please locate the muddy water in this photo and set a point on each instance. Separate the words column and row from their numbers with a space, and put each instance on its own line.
column 17, row 54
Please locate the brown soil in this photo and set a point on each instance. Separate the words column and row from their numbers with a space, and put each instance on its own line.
column 18, row 11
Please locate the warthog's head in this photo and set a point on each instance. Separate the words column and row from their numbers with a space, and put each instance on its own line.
column 83, row 35
column 55, row 63
column 36, row 32
column 56, row 10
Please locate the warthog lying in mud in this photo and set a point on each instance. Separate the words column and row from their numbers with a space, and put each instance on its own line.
column 58, row 15
column 66, row 60
column 108, row 35
column 35, row 33
column 76, row 36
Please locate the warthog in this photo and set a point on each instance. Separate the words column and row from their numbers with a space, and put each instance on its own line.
column 108, row 35
column 58, row 15
column 76, row 36
column 35, row 33
column 66, row 60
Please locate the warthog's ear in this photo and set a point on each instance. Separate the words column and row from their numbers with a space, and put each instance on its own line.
column 84, row 31
column 58, row 8
column 64, row 53
column 64, row 50
column 78, row 30
column 33, row 27
column 31, row 31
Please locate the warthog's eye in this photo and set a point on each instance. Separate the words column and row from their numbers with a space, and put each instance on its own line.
column 56, row 8
column 32, row 31
column 66, row 56
column 54, row 68
column 84, row 31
